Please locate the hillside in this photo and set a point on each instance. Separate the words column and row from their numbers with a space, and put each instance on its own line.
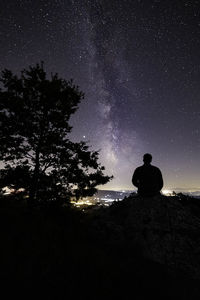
column 146, row 247
column 165, row 229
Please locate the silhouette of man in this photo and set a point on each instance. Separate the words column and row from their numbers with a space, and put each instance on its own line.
column 147, row 178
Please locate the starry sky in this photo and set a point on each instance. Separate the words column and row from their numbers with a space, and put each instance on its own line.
column 138, row 63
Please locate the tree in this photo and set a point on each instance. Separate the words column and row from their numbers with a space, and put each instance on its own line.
column 35, row 147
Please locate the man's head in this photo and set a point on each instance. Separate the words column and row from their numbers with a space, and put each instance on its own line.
column 147, row 158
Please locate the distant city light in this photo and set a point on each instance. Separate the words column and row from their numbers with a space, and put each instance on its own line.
column 81, row 202
column 105, row 199
column 7, row 191
column 167, row 192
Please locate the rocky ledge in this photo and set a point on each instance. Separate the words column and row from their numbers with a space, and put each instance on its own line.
column 165, row 230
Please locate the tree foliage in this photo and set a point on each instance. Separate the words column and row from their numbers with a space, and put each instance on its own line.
column 34, row 138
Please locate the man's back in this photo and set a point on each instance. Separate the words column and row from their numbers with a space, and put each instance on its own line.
column 148, row 179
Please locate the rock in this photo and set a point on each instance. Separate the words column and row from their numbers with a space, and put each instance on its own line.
column 166, row 231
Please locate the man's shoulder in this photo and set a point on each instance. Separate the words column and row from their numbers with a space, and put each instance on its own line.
column 155, row 168
column 138, row 168
column 145, row 168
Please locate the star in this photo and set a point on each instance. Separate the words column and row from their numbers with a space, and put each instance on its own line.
column 137, row 63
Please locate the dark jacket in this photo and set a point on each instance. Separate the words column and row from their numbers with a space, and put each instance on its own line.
column 148, row 179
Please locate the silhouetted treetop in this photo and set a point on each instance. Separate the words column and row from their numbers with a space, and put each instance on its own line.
column 34, row 128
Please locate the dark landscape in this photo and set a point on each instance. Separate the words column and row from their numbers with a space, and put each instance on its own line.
column 102, row 254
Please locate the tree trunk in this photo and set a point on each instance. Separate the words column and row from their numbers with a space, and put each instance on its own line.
column 36, row 172
column 34, row 187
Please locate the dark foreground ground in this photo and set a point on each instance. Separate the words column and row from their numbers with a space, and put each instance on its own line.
column 49, row 252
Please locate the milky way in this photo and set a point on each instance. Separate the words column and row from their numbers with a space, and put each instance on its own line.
column 138, row 64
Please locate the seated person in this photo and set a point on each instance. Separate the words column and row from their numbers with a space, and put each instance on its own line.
column 147, row 178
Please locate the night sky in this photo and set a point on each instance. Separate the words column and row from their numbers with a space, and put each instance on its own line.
column 138, row 63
